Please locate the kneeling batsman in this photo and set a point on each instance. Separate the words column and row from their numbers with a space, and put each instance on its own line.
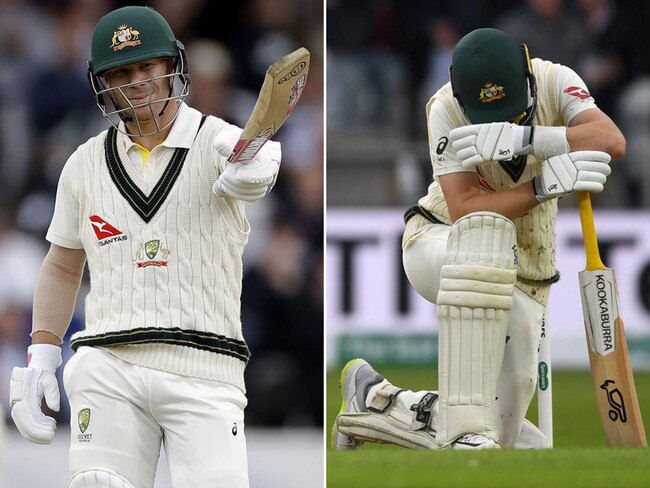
column 473, row 307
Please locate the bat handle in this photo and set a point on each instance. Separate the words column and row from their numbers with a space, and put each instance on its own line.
column 589, row 231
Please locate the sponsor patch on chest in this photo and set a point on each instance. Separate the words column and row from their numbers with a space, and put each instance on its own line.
column 152, row 253
column 105, row 232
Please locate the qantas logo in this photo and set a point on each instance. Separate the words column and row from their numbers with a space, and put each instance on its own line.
column 576, row 91
column 105, row 232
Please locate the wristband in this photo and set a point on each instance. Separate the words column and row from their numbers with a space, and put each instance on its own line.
column 44, row 356
column 549, row 141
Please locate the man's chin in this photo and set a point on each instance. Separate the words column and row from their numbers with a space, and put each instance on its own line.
column 143, row 114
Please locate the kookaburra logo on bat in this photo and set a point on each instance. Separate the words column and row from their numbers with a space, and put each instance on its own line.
column 615, row 399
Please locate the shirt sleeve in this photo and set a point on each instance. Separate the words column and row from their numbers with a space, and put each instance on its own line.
column 572, row 94
column 64, row 227
column 443, row 157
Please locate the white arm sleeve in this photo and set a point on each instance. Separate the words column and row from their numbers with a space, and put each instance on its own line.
column 443, row 157
column 56, row 290
column 64, row 227
column 572, row 94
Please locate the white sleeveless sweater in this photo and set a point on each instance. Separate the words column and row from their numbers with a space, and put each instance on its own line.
column 165, row 292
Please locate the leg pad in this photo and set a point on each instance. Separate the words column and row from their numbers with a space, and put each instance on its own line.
column 98, row 478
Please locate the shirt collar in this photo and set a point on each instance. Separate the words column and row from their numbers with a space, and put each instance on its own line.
column 182, row 133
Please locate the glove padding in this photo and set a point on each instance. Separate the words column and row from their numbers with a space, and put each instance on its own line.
column 251, row 181
column 27, row 388
column 575, row 171
column 496, row 141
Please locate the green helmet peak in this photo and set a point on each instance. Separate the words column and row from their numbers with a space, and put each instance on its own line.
column 130, row 35
column 490, row 76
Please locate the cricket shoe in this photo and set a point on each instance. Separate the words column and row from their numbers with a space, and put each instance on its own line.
column 474, row 442
column 371, row 412
column 353, row 395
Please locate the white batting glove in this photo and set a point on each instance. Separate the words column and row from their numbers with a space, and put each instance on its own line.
column 496, row 141
column 27, row 388
column 251, row 181
column 576, row 171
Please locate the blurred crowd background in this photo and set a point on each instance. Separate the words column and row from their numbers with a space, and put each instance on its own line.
column 385, row 58
column 47, row 110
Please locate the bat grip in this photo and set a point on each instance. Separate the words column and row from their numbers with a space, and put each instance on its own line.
column 589, row 231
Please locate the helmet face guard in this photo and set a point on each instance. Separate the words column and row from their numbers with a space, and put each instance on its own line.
column 527, row 117
column 132, row 35
column 116, row 106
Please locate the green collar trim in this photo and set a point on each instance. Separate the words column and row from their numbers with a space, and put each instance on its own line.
column 145, row 206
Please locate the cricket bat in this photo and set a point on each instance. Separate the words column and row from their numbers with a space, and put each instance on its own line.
column 283, row 84
column 611, row 371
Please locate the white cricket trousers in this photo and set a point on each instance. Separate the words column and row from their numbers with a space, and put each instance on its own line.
column 423, row 257
column 121, row 413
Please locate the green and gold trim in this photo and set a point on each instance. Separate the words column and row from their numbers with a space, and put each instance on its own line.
column 514, row 167
column 145, row 206
column 205, row 341
column 423, row 212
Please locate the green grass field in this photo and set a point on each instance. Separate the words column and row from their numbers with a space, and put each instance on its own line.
column 580, row 457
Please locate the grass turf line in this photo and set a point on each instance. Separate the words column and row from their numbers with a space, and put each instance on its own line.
column 558, row 468
column 580, row 457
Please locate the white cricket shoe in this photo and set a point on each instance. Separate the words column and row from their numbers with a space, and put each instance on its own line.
column 473, row 442
column 372, row 412
column 357, row 377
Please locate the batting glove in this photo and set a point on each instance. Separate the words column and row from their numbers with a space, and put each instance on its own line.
column 251, row 181
column 496, row 141
column 576, row 171
column 27, row 388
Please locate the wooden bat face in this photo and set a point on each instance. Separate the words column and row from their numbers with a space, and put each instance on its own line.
column 283, row 85
column 611, row 370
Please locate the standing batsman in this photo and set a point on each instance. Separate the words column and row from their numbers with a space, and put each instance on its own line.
column 157, row 211
column 508, row 136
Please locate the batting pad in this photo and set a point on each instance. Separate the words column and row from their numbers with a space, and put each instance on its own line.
column 98, row 478
column 475, row 297
column 393, row 416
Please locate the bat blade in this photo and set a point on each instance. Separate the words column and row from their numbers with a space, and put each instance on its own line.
column 283, row 85
column 609, row 358
column 611, row 370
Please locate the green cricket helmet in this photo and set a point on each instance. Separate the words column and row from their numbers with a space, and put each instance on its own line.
column 490, row 77
column 132, row 35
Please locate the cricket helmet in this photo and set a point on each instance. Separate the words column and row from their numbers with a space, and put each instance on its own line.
column 132, row 35
column 490, row 77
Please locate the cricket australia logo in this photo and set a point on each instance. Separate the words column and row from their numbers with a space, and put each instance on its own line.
column 83, row 417
column 145, row 256
column 491, row 92
column 125, row 36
